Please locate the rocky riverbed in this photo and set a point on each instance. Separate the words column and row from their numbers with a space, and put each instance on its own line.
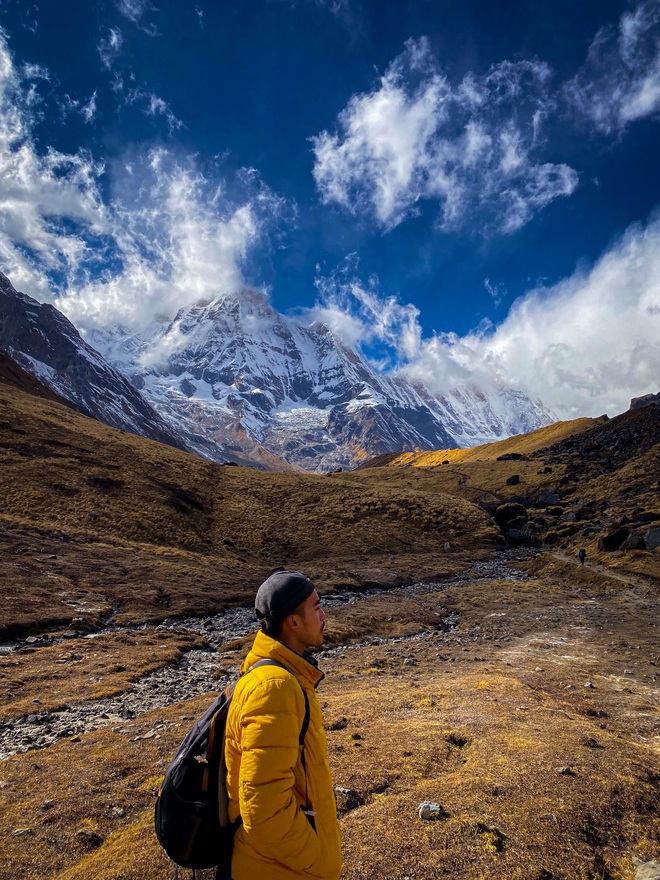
column 196, row 673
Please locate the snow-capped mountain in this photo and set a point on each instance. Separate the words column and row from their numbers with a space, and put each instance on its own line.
column 42, row 341
column 252, row 379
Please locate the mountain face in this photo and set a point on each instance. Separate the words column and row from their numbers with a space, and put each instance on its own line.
column 252, row 379
column 44, row 343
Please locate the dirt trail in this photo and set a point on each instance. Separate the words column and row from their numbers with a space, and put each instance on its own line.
column 630, row 578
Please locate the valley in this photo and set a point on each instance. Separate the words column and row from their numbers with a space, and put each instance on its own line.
column 471, row 661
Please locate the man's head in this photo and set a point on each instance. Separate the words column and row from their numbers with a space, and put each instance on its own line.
column 288, row 608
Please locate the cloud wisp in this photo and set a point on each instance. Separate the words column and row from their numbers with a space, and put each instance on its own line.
column 475, row 148
column 585, row 346
column 619, row 82
column 168, row 236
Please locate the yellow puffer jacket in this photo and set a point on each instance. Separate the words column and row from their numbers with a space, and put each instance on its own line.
column 265, row 778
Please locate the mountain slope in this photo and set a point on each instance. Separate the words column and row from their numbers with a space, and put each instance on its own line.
column 44, row 343
column 245, row 374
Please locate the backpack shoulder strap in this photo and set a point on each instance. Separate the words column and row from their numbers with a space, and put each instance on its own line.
column 269, row 662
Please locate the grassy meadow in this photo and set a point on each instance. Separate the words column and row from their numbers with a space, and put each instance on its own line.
column 535, row 724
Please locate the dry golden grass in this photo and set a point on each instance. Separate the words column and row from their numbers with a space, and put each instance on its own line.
column 523, row 444
column 482, row 722
column 46, row 679
column 556, row 671
column 95, row 519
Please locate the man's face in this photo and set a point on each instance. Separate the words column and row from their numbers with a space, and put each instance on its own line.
column 311, row 626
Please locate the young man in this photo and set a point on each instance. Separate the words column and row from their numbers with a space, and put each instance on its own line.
column 289, row 827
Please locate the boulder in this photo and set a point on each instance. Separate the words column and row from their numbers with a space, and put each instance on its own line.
column 512, row 456
column 633, row 542
column 549, row 498
column 513, row 480
column 613, row 540
column 430, row 812
column 652, row 538
column 507, row 512
column 521, row 538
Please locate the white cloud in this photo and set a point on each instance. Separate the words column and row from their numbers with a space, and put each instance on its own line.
column 135, row 11
column 110, row 47
column 585, row 346
column 167, row 237
column 619, row 82
column 154, row 106
column 471, row 148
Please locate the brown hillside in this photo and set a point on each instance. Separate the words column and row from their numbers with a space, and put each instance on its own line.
column 95, row 518
column 520, row 443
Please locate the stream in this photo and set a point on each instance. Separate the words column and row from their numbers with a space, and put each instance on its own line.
column 195, row 673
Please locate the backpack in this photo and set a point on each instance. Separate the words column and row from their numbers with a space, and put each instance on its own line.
column 192, row 808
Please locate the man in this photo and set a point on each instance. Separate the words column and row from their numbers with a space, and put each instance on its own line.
column 289, row 826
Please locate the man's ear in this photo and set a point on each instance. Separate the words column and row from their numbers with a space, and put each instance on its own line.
column 291, row 622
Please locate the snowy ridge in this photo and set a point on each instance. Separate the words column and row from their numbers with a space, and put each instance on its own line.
column 240, row 374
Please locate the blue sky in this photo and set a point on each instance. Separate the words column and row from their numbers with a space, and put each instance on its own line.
column 464, row 190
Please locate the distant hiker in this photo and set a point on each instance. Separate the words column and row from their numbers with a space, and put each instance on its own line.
column 281, row 790
column 582, row 553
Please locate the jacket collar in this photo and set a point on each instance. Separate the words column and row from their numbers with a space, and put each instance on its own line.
column 302, row 665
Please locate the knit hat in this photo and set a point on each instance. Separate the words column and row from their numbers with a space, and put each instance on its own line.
column 279, row 596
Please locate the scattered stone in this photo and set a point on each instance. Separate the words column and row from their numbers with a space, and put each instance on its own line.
column 596, row 713
column 633, row 542
column 432, row 812
column 566, row 771
column 88, row 838
column 592, row 743
column 348, row 799
column 613, row 541
column 340, row 724
column 447, row 547
column 513, row 480
column 507, row 512
column 646, row 870
column 588, row 684
column 118, row 812
column 652, row 538
column 548, row 498
column 21, row 832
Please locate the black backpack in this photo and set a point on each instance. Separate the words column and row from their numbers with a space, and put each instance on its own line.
column 192, row 808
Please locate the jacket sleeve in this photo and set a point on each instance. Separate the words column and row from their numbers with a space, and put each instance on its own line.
column 277, row 828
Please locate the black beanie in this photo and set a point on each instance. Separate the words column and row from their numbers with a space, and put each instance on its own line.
column 279, row 596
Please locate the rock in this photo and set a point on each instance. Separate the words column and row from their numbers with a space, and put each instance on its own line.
column 513, row 480
column 613, row 540
column 21, row 832
column 566, row 771
column 633, row 542
column 652, row 538
column 645, row 400
column 447, row 547
column 118, row 812
column 507, row 512
column 347, row 799
column 518, row 523
column 88, row 838
column 430, row 812
column 187, row 387
column 550, row 539
column 549, row 498
column 646, row 870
